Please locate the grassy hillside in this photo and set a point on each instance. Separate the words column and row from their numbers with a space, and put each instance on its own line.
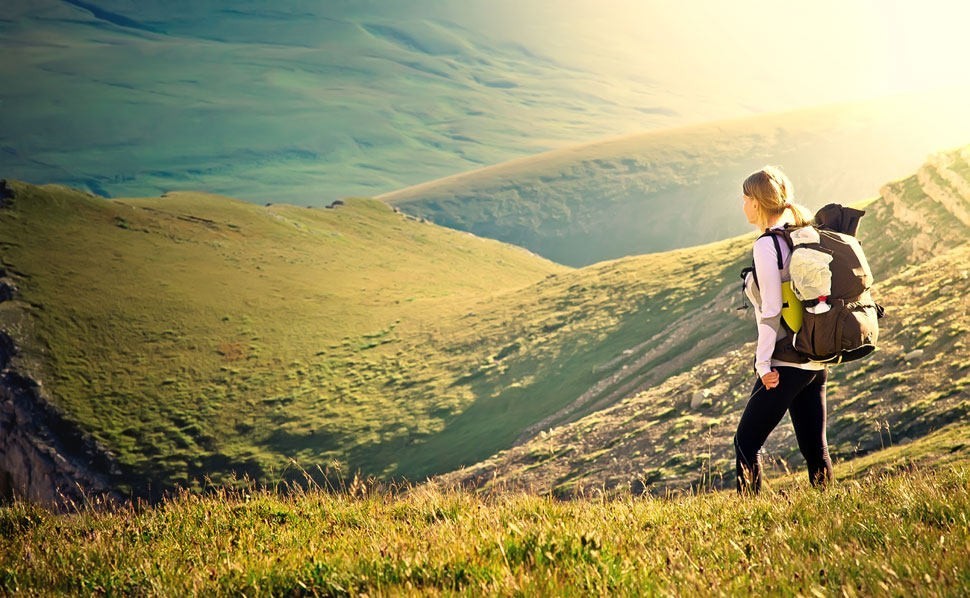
column 678, row 432
column 680, row 187
column 575, row 343
column 898, row 526
column 202, row 336
column 196, row 334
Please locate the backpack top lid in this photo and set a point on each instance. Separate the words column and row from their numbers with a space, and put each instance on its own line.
column 839, row 219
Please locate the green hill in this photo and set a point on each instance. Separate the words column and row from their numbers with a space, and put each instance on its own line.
column 195, row 336
column 678, row 432
column 675, row 188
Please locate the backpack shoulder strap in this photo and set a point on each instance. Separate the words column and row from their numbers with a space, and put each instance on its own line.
column 774, row 234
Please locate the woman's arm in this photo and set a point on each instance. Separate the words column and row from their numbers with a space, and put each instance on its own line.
column 769, row 284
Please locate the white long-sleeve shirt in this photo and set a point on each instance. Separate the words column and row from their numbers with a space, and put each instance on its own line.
column 767, row 301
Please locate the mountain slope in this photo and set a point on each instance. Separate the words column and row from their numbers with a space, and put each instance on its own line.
column 193, row 334
column 679, row 187
column 678, row 433
column 198, row 336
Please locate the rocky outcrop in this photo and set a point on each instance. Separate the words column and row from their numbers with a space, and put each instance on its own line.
column 946, row 187
column 6, row 193
column 7, row 288
column 920, row 216
column 43, row 457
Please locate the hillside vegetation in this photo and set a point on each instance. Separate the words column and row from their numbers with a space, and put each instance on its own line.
column 194, row 334
column 675, row 188
column 898, row 526
column 678, row 432
column 197, row 336
column 203, row 336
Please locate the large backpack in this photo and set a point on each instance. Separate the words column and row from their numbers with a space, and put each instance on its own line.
column 830, row 278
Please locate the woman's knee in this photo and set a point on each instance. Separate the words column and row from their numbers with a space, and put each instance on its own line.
column 745, row 452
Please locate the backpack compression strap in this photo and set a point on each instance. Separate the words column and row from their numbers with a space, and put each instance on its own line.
column 751, row 269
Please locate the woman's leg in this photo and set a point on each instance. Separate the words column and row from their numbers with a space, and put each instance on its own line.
column 808, row 417
column 761, row 415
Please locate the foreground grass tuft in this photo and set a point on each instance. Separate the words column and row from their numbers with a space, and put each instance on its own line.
column 902, row 534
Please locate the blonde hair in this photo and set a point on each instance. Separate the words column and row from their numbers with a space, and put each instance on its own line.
column 773, row 193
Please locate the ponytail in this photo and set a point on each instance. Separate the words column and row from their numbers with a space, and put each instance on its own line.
column 800, row 214
column 773, row 192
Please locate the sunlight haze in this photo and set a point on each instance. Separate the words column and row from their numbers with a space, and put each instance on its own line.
column 306, row 101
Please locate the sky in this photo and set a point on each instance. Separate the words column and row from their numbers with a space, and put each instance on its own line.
column 795, row 53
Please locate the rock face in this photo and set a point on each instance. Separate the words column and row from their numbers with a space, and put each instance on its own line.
column 923, row 215
column 43, row 457
column 7, row 288
column 6, row 193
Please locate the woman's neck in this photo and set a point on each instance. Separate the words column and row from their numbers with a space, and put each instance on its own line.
column 783, row 219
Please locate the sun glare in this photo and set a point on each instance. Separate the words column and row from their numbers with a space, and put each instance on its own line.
column 785, row 54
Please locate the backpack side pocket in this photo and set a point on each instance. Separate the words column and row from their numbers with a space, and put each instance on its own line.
column 843, row 333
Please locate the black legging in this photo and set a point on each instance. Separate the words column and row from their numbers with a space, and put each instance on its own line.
column 802, row 394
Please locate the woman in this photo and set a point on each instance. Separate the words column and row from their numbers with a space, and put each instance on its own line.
column 786, row 381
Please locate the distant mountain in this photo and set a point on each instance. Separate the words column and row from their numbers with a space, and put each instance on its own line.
column 308, row 101
column 304, row 102
column 149, row 343
column 680, row 187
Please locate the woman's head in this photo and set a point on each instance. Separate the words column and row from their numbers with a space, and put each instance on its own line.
column 767, row 194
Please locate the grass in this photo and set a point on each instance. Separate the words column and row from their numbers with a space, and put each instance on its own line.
column 898, row 525
column 204, row 336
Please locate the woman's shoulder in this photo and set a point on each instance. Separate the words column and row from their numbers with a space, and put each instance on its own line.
column 764, row 243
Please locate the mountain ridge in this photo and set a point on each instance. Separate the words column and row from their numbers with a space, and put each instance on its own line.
column 669, row 188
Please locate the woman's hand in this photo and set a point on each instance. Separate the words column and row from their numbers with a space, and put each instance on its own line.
column 770, row 380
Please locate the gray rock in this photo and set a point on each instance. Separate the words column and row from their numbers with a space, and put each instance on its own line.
column 7, row 290
column 700, row 398
column 914, row 355
column 45, row 458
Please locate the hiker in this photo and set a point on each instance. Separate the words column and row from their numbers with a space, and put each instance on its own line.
column 786, row 380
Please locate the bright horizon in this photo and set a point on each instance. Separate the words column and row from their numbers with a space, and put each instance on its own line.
column 808, row 53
